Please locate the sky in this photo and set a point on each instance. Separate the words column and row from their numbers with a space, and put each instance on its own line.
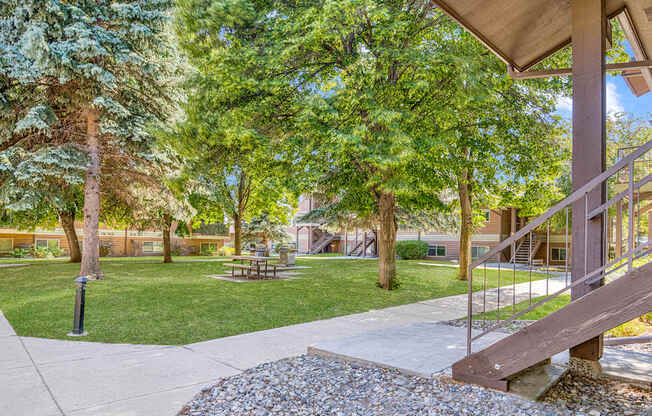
column 619, row 99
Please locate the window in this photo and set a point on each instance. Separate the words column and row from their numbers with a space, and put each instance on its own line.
column 485, row 214
column 47, row 243
column 437, row 251
column 6, row 245
column 208, row 247
column 478, row 251
column 152, row 246
column 558, row 254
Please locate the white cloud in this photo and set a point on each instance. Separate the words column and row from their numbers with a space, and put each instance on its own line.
column 614, row 104
column 564, row 104
column 613, row 99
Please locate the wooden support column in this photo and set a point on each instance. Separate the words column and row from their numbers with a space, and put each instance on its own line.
column 619, row 229
column 649, row 225
column 589, row 22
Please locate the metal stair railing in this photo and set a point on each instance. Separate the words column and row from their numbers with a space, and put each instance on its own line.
column 637, row 253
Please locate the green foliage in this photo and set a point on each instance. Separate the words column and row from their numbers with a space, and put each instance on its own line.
column 225, row 251
column 212, row 229
column 61, row 57
column 20, row 252
column 411, row 249
column 105, row 251
column 40, row 252
column 266, row 228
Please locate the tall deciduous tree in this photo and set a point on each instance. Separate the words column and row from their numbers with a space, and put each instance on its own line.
column 92, row 73
column 231, row 134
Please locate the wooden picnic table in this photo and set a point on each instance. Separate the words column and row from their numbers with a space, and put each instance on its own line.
column 259, row 267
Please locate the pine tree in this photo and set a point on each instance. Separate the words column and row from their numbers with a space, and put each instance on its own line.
column 92, row 73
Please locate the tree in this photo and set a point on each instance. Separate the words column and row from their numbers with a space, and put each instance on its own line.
column 88, row 73
column 267, row 228
column 44, row 182
column 230, row 137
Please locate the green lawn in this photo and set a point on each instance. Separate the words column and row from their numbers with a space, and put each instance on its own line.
column 144, row 301
column 639, row 326
column 536, row 313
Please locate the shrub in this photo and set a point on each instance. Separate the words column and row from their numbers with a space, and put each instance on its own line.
column 411, row 249
column 225, row 251
column 41, row 252
column 56, row 252
column 105, row 251
column 20, row 253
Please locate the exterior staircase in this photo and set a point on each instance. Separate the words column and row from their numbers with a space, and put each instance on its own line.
column 619, row 290
column 527, row 249
column 323, row 241
column 362, row 246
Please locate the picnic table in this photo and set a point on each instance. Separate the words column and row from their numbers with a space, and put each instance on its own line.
column 256, row 267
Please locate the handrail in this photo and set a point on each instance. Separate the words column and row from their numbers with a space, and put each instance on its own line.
column 635, row 250
column 579, row 193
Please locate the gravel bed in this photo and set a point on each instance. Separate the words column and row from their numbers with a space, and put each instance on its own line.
column 310, row 385
column 510, row 328
column 642, row 348
column 600, row 397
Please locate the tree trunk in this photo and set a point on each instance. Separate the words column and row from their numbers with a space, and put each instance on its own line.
column 237, row 235
column 387, row 240
column 167, row 250
column 466, row 231
column 126, row 246
column 67, row 220
column 90, row 265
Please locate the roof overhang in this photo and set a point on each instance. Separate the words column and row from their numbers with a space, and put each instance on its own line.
column 524, row 32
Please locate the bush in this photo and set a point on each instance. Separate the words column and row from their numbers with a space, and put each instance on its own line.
column 20, row 253
column 105, row 251
column 56, row 252
column 41, row 252
column 225, row 251
column 411, row 249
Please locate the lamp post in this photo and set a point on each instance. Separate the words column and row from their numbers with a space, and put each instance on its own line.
column 80, row 300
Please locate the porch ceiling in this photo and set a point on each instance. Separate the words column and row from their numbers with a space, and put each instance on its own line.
column 524, row 32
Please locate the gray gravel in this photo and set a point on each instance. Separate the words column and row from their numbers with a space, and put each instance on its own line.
column 310, row 385
column 600, row 397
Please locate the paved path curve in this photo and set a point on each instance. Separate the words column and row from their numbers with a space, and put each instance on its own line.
column 44, row 377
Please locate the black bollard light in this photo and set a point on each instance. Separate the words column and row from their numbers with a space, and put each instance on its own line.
column 80, row 299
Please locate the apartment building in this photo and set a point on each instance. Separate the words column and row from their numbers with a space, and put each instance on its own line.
column 112, row 242
column 499, row 224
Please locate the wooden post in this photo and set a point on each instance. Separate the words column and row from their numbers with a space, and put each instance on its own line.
column 356, row 238
column 346, row 240
column 589, row 22
column 619, row 228
column 297, row 240
column 364, row 244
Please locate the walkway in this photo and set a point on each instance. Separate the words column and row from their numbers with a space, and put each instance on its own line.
column 42, row 377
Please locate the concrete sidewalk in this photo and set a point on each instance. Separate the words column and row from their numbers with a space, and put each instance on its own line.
column 44, row 377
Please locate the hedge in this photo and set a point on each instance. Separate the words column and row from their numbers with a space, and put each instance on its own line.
column 411, row 249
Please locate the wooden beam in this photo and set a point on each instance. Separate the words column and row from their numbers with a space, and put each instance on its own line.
column 645, row 64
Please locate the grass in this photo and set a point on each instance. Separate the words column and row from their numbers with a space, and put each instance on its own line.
column 636, row 327
column 144, row 301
